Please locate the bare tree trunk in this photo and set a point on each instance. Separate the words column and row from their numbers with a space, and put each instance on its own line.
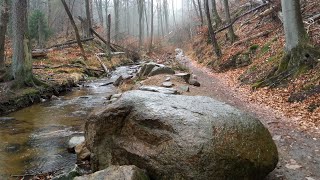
column 106, row 3
column 161, row 20
column 215, row 14
column 99, row 10
column 140, row 11
column 151, row 33
column 75, row 29
column 109, row 37
column 116, row 19
column 166, row 14
column 231, row 33
column 21, row 60
column 200, row 11
column 49, row 14
column 3, row 29
column 212, row 35
column 195, row 8
column 127, row 17
column 146, row 17
column 293, row 25
column 174, row 16
column 89, row 22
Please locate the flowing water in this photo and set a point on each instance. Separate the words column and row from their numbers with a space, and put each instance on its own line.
column 36, row 140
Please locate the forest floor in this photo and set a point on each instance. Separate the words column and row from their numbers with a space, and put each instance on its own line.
column 298, row 149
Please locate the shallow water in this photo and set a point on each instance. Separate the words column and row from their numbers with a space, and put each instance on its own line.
column 36, row 140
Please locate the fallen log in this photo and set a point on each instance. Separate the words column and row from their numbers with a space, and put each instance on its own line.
column 252, row 37
column 102, row 64
column 57, row 67
column 103, row 40
column 39, row 53
column 71, row 42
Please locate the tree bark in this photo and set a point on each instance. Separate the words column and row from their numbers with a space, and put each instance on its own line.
column 231, row 33
column 293, row 24
column 140, row 11
column 109, row 37
column 75, row 29
column 195, row 8
column 215, row 14
column 3, row 29
column 116, row 19
column 200, row 11
column 21, row 60
column 89, row 23
column 151, row 33
column 214, row 42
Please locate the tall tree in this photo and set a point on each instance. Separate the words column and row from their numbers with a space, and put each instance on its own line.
column 99, row 10
column 293, row 25
column 232, row 36
column 109, row 36
column 151, row 33
column 21, row 60
column 88, row 20
column 140, row 11
column 75, row 29
column 212, row 35
column 300, row 55
column 4, row 19
column 195, row 8
column 200, row 11
column 116, row 5
column 215, row 14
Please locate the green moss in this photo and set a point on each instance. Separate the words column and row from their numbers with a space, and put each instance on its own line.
column 265, row 48
column 253, row 48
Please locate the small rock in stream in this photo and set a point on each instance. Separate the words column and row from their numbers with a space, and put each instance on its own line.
column 184, row 88
column 73, row 142
column 168, row 84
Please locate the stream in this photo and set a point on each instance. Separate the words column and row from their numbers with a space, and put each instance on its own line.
column 36, row 140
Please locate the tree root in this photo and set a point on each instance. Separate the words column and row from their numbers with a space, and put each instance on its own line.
column 293, row 64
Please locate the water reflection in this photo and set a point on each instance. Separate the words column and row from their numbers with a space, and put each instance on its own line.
column 36, row 140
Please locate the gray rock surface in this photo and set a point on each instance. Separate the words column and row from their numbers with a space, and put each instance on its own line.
column 162, row 90
column 184, row 76
column 74, row 141
column 82, row 152
column 152, row 69
column 118, row 81
column 161, row 70
column 184, row 88
column 116, row 173
column 167, row 84
column 194, row 82
column 180, row 137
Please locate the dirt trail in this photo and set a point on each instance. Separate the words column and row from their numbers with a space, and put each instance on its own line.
column 299, row 156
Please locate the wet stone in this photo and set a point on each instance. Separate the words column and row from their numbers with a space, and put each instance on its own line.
column 167, row 84
column 13, row 148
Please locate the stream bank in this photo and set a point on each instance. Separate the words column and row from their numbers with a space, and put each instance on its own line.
column 34, row 140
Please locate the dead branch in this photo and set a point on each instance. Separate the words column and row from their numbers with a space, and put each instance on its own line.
column 252, row 37
column 102, row 64
column 38, row 53
column 237, row 18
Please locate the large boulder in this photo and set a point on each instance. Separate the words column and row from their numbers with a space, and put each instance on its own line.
column 161, row 70
column 116, row 173
column 180, row 137
column 152, row 69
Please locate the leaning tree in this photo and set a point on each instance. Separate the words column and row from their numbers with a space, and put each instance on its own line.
column 300, row 55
